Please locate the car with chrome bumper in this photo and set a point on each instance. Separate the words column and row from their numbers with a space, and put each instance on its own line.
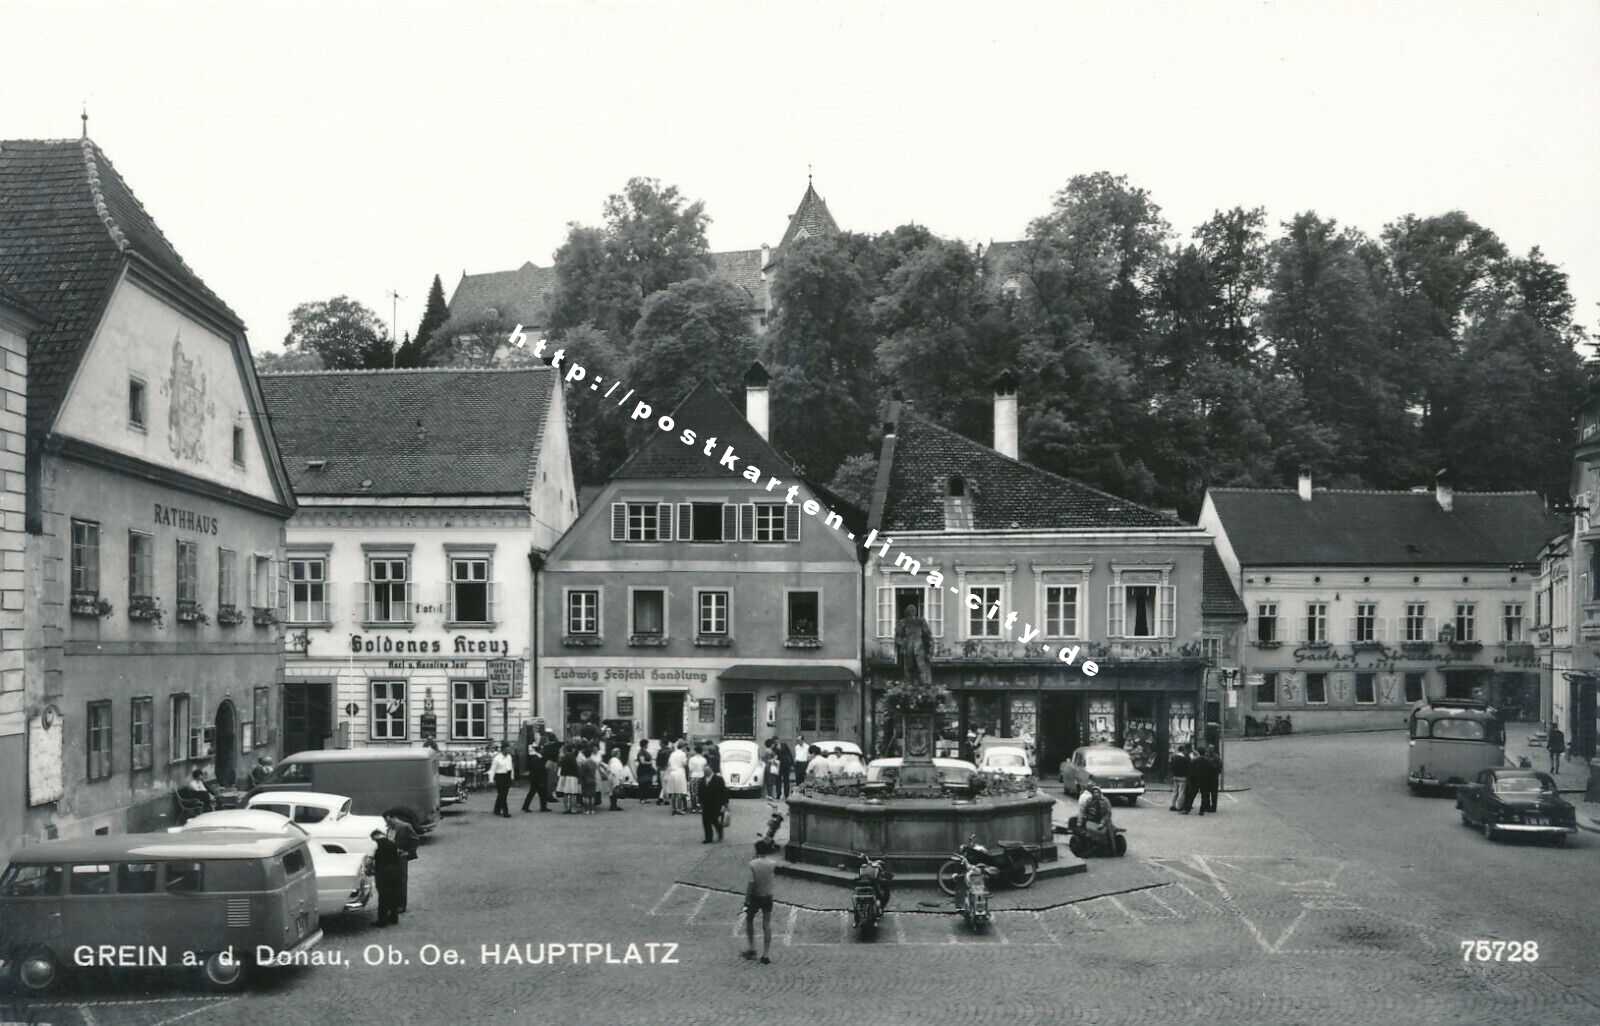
column 344, row 879
column 1503, row 802
column 1107, row 767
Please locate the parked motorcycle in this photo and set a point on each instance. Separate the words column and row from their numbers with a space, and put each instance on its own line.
column 869, row 892
column 1085, row 843
column 774, row 822
column 974, row 900
column 1267, row 725
column 1017, row 864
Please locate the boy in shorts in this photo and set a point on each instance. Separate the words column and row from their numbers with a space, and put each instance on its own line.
column 758, row 898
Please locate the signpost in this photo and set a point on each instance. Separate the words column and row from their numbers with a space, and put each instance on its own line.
column 505, row 682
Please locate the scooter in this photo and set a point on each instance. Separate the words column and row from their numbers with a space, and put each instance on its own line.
column 869, row 892
column 1085, row 843
column 1016, row 863
column 975, row 894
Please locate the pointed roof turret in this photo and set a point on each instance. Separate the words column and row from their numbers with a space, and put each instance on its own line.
column 810, row 218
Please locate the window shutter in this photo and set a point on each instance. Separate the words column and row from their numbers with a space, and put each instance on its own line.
column 1430, row 629
column 685, row 522
column 885, row 612
column 747, row 521
column 362, row 599
column 1115, row 614
column 489, row 588
column 619, row 521
column 791, row 523
column 730, row 522
column 1379, row 629
column 664, row 521
column 1167, row 619
column 280, row 587
column 250, row 580
column 935, row 612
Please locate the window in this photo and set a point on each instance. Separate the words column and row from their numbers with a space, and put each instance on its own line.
column 261, row 711
column 803, row 610
column 89, row 879
column 1061, row 611
column 263, row 585
column 85, row 557
column 649, row 613
column 35, row 881
column 583, row 612
column 471, row 593
column 294, row 862
column 188, row 574
column 186, row 877
column 308, row 590
column 1511, row 623
column 137, row 412
column 1366, row 622
column 1466, row 621
column 1267, row 690
column 142, row 733
column 238, row 445
column 1416, row 621
column 1316, row 623
column 1316, row 689
column 769, row 522
column 895, row 602
column 1267, row 622
column 178, row 705
column 1414, row 689
column 1141, row 605
column 1366, row 688
column 1211, row 650
column 818, row 716
column 713, row 612
column 227, row 578
column 309, row 814
column 141, row 565
column 708, row 521
column 469, row 710
column 99, row 741
column 979, row 623
column 387, row 578
column 388, row 719
column 641, row 521
column 136, row 878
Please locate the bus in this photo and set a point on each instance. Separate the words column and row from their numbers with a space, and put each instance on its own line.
column 1450, row 741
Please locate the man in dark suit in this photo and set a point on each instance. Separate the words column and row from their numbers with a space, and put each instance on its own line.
column 391, row 864
column 713, row 799
column 1195, row 785
column 785, row 766
column 538, row 777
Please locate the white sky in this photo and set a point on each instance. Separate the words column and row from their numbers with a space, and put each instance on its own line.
column 307, row 150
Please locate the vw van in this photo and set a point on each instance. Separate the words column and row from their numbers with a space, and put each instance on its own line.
column 209, row 903
column 1451, row 741
column 404, row 781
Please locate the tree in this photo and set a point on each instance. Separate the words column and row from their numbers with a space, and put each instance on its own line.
column 295, row 359
column 410, row 354
column 473, row 342
column 344, row 333
column 434, row 316
column 691, row 331
column 855, row 479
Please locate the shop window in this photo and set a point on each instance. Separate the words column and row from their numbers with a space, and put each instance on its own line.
column 138, row 405
column 98, row 723
column 86, row 558
column 1414, row 687
column 1102, row 722
column 469, row 710
column 1181, row 723
column 1267, row 690
column 583, row 612
column 803, row 616
column 984, row 620
column 1511, row 623
column 1466, row 621
column 648, row 615
column 388, row 590
column 1316, row 689
column 1366, row 689
column 180, row 735
column 818, row 716
column 1139, row 731
column 471, row 591
column 141, row 732
column 387, row 720
column 1267, row 622
column 1024, row 713
column 712, row 615
column 141, row 566
column 1061, row 604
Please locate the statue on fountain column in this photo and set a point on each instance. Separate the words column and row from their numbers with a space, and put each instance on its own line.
column 913, row 646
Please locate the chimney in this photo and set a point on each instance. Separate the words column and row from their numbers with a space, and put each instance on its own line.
column 766, row 259
column 1005, row 414
column 1442, row 491
column 1305, row 483
column 755, row 397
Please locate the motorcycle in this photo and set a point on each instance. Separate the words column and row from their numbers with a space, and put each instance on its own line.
column 1017, row 864
column 869, row 892
column 1084, row 843
column 774, row 822
column 974, row 900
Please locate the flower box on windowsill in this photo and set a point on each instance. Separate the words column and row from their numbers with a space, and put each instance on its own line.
column 1416, row 647
column 1268, row 644
column 1367, row 646
column 581, row 641
column 647, row 641
column 263, row 616
column 803, row 642
column 88, row 603
column 229, row 616
column 146, row 609
column 1319, row 644
column 712, row 641
column 190, row 612
column 1466, row 646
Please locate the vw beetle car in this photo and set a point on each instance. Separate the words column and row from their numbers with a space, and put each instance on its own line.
column 741, row 766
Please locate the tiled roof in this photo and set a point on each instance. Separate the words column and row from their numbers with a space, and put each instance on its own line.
column 518, row 295
column 1218, row 597
column 1000, row 259
column 1002, row 493
column 411, row 432
column 742, row 267
column 9, row 296
column 810, row 218
column 1275, row 527
column 709, row 414
column 67, row 222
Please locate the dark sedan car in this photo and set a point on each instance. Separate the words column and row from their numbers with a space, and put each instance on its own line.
column 1516, row 801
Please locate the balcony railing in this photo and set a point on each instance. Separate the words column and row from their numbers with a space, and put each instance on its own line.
column 1590, row 628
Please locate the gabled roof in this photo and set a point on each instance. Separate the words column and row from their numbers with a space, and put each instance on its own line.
column 1275, row 527
column 432, row 432
column 1218, row 596
column 1002, row 494
column 709, row 414
column 68, row 223
column 810, row 219
column 518, row 295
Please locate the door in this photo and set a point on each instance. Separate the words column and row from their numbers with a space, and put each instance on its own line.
column 1058, row 732
column 582, row 712
column 666, row 714
column 739, row 714
column 227, row 744
column 1584, row 726
column 307, row 715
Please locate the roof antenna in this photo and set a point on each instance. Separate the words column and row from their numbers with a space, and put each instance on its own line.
column 808, row 174
column 85, row 117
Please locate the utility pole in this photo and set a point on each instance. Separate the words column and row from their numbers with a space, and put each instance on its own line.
column 394, row 333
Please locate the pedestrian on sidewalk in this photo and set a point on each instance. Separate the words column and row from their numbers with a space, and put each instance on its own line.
column 802, row 757
column 1208, row 798
column 713, row 803
column 588, row 773
column 569, row 787
column 1180, row 772
column 1557, row 746
column 678, row 779
column 785, row 768
column 537, row 776
column 605, row 786
column 644, row 772
column 500, row 769
column 1195, row 783
column 697, row 777
column 770, row 769
column 758, row 897
column 622, row 781
column 663, row 764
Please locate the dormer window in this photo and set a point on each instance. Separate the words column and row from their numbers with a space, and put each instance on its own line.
column 957, row 507
column 956, row 487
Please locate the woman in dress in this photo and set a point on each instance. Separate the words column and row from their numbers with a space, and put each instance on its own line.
column 588, row 782
column 569, row 788
column 645, row 773
column 620, row 776
column 677, row 789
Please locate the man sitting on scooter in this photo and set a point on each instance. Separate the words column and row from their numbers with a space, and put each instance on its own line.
column 1094, row 813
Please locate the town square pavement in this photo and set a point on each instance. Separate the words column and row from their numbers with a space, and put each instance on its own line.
column 1324, row 893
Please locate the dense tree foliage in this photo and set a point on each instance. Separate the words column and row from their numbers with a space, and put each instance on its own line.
column 344, row 334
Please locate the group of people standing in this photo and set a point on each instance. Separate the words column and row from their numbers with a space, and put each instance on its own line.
column 582, row 775
column 1195, row 772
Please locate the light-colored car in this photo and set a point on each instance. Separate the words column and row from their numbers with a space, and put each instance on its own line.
column 344, row 879
column 1108, row 767
column 950, row 771
column 326, row 817
column 1001, row 759
column 850, row 762
column 741, row 766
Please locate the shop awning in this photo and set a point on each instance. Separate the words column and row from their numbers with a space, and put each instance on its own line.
column 790, row 674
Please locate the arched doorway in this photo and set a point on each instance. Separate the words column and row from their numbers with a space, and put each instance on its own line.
column 227, row 744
